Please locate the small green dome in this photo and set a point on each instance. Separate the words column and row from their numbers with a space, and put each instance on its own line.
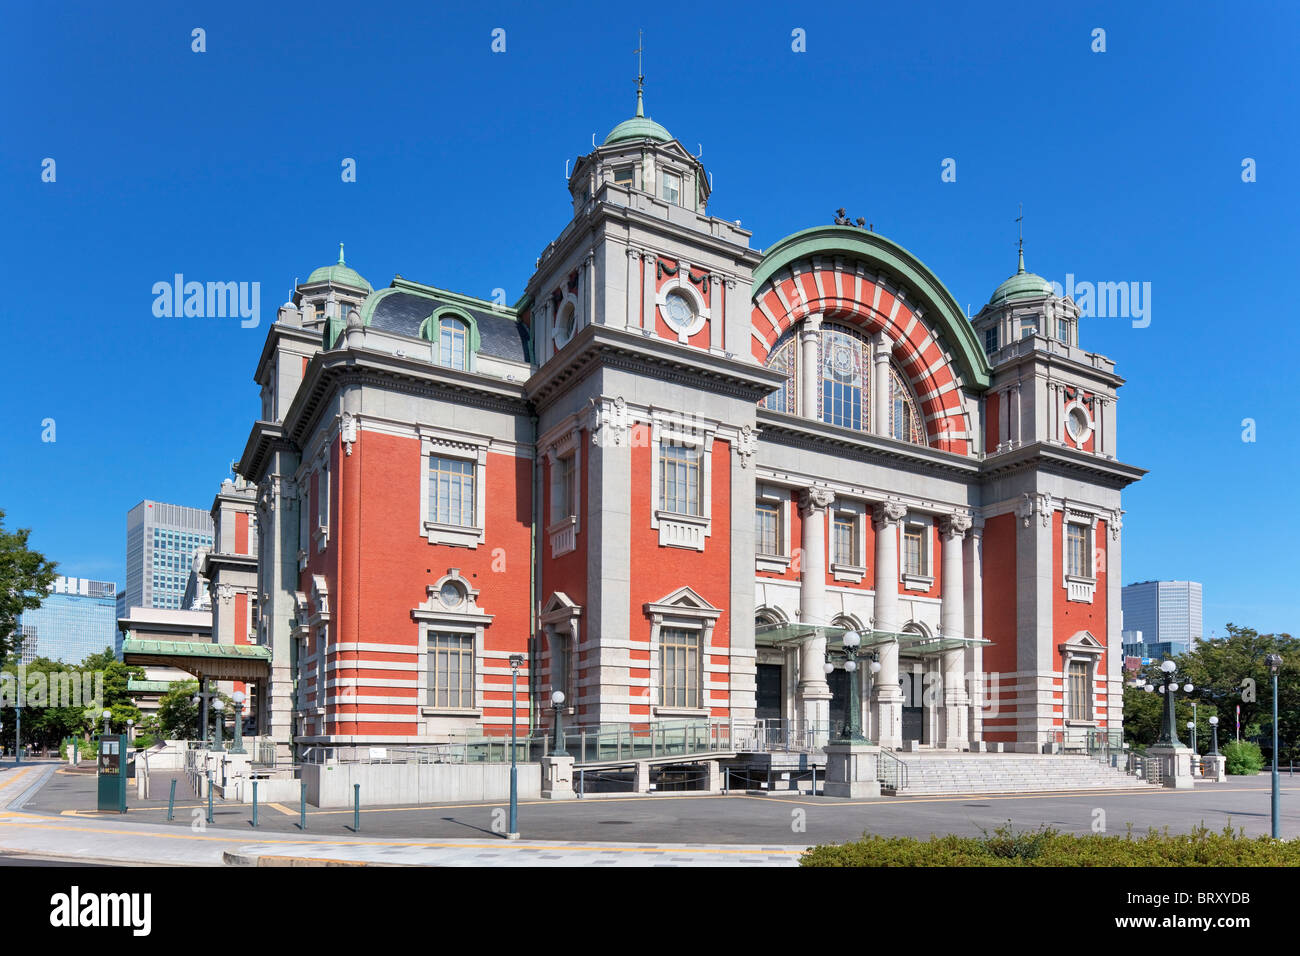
column 340, row 274
column 1022, row 285
column 638, row 127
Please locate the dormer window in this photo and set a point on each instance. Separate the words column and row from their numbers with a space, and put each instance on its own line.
column 452, row 335
column 672, row 188
column 1063, row 330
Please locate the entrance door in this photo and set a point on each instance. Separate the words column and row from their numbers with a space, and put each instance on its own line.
column 913, row 712
column 770, row 690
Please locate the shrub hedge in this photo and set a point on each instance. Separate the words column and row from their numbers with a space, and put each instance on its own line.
column 1243, row 757
column 1049, row 847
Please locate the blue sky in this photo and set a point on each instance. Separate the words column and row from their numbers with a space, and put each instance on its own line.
column 225, row 165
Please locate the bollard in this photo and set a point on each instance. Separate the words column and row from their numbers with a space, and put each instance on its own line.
column 302, row 806
column 726, row 781
column 171, row 802
column 209, row 796
column 254, row 804
column 356, row 808
column 814, row 789
column 582, row 783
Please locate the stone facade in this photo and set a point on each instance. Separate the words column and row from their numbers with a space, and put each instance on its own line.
column 673, row 475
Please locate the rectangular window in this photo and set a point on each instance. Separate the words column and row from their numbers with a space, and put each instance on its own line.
column 1028, row 325
column 1063, row 331
column 623, row 176
column 767, row 535
column 914, row 550
column 991, row 340
column 679, row 668
column 1079, row 696
column 1076, row 551
column 679, row 479
column 451, row 671
column 673, row 188
column 844, row 541
column 562, row 506
column 451, row 491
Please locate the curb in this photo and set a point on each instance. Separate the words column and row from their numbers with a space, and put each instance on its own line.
column 237, row 858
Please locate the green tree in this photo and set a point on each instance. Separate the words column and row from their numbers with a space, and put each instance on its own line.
column 117, row 699
column 178, row 716
column 25, row 579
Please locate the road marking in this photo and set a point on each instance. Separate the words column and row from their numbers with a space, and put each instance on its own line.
column 283, row 809
column 1037, row 795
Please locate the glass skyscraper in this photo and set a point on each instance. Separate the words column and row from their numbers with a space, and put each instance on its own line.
column 78, row 618
column 160, row 543
column 1166, row 612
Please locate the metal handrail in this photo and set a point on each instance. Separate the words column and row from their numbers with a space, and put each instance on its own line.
column 891, row 771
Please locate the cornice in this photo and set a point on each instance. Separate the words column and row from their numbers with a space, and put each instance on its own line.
column 1061, row 460
column 332, row 371
column 601, row 346
column 815, row 435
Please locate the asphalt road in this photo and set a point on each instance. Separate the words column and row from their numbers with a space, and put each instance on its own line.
column 1243, row 802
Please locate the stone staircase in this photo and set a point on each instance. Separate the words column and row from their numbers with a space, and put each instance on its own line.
column 1010, row 773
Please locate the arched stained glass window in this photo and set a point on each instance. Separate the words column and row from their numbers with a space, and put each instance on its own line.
column 784, row 357
column 844, row 361
column 905, row 423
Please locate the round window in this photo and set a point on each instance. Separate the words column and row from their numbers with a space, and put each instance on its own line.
column 451, row 594
column 568, row 319
column 681, row 312
column 1078, row 424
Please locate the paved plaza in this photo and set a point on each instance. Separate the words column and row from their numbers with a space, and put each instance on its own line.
column 47, row 810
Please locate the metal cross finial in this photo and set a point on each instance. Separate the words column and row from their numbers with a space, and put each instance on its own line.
column 640, row 47
column 1020, row 222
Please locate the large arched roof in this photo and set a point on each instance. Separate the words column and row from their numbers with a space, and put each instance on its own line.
column 940, row 308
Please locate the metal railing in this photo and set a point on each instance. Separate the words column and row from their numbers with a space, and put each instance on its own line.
column 891, row 771
column 598, row 743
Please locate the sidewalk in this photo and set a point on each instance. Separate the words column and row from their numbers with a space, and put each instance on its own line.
column 113, row 839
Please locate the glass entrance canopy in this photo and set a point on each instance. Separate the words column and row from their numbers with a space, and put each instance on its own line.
column 792, row 634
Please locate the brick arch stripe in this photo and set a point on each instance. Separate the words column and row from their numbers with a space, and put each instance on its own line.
column 863, row 280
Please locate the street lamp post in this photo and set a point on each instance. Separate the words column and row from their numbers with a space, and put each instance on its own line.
column 106, row 715
column 557, row 700
column 219, row 706
column 1274, row 662
column 238, row 746
column 1214, row 730
column 851, row 652
column 130, row 727
column 515, row 661
column 18, row 734
column 1169, row 731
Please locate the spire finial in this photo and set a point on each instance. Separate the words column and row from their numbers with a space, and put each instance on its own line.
column 341, row 262
column 1020, row 220
column 640, row 76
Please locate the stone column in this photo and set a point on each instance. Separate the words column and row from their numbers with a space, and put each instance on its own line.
column 648, row 292
column 952, row 621
column 809, row 379
column 975, row 628
column 633, row 289
column 1013, row 401
column 886, row 695
column 881, row 346
column 813, row 693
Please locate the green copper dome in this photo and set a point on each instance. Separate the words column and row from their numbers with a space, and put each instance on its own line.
column 1022, row 285
column 638, row 127
column 340, row 274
